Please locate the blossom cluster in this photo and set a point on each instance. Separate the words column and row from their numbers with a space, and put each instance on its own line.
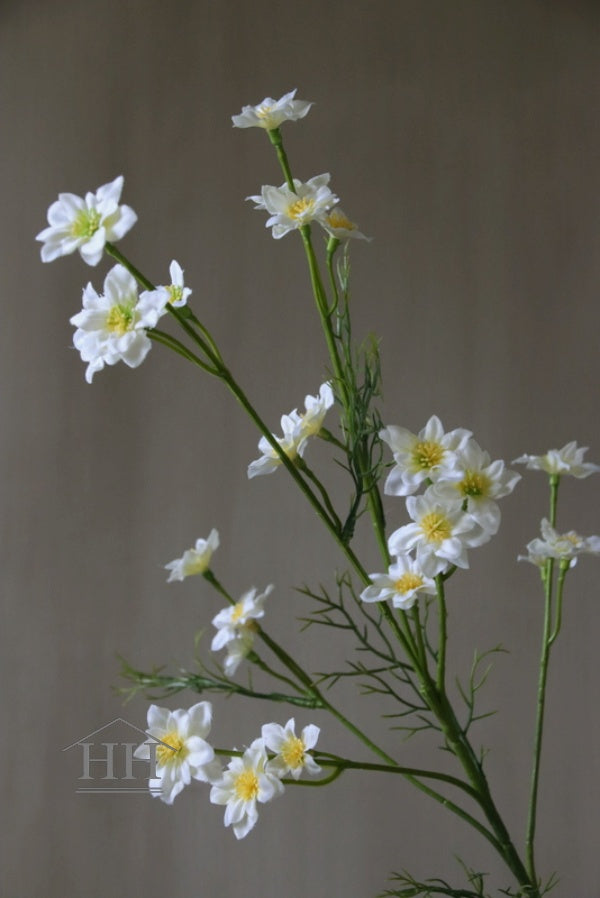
column 457, row 511
column 182, row 754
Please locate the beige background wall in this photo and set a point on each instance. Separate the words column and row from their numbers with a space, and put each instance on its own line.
column 464, row 137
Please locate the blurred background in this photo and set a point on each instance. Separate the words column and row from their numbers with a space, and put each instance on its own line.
column 463, row 137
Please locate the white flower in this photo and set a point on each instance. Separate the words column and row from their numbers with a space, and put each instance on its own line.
column 316, row 409
column 236, row 628
column 291, row 750
column 338, row 225
column 430, row 454
column 479, row 482
column 112, row 327
column 402, row 584
column 563, row 546
column 86, row 223
column 441, row 534
column 291, row 209
column 177, row 291
column 293, row 443
column 245, row 781
column 271, row 113
column 183, row 754
column 568, row 460
column 194, row 561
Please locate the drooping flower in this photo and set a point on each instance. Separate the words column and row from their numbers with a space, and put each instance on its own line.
column 291, row 751
column 338, row 225
column 562, row 546
column 246, row 781
column 430, row 454
column 293, row 443
column 568, row 460
column 236, row 628
column 183, row 753
column 86, row 223
column 479, row 481
column 292, row 209
column 402, row 584
column 178, row 292
column 112, row 327
column 272, row 113
column 195, row 560
column 441, row 533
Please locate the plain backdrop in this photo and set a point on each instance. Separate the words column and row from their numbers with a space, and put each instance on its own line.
column 464, row 137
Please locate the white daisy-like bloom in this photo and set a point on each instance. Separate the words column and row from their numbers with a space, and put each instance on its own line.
column 562, row 546
column 112, row 326
column 246, row 781
column 272, row 113
column 291, row 751
column 293, row 443
column 178, row 292
column 480, row 482
column 429, row 454
column 338, row 225
column 183, row 754
column 292, row 209
column 86, row 223
column 236, row 628
column 568, row 460
column 195, row 560
column 402, row 583
column 441, row 533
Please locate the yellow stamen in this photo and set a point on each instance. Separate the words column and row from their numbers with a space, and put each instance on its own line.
column 475, row 483
column 238, row 612
column 120, row 319
column 263, row 110
column 337, row 219
column 436, row 527
column 175, row 293
column 246, row 785
column 177, row 751
column 86, row 223
column 426, row 454
column 292, row 752
column 300, row 207
column 408, row 581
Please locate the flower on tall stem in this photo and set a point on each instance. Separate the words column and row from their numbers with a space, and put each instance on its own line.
column 568, row 460
column 195, row 560
column 427, row 455
column 178, row 293
column 402, row 583
column 183, row 753
column 561, row 546
column 270, row 114
column 292, row 209
column 338, row 225
column 291, row 751
column 236, row 627
column 293, row 443
column 86, row 223
column 112, row 326
column 246, row 781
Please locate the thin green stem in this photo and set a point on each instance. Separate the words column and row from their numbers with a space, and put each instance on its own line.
column 443, row 637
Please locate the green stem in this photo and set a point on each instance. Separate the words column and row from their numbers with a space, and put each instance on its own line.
column 443, row 620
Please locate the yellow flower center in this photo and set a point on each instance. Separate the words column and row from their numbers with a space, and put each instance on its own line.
column 120, row 319
column 246, row 785
column 175, row 293
column 302, row 206
column 436, row 527
column 237, row 613
column 474, row 483
column 264, row 110
column 292, row 752
column 177, row 752
column 337, row 219
column 86, row 223
column 407, row 582
column 426, row 454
